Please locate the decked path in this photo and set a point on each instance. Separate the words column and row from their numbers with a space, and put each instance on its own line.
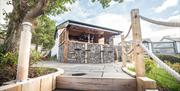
column 94, row 77
column 109, row 70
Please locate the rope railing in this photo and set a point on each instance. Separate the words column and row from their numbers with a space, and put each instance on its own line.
column 128, row 32
column 129, row 52
column 169, row 24
column 161, row 63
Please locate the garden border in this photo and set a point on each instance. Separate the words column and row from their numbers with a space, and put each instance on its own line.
column 42, row 83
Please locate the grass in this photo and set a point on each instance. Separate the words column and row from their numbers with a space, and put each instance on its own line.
column 131, row 69
column 164, row 80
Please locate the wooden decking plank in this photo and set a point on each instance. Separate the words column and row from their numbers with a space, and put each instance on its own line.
column 96, row 84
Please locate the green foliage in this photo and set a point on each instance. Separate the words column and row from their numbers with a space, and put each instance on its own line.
column 150, row 67
column 44, row 32
column 105, row 3
column 2, row 31
column 9, row 59
column 163, row 79
column 34, row 57
column 131, row 69
column 39, row 71
column 175, row 66
column 170, row 58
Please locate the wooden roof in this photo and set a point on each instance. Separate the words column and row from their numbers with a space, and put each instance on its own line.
column 84, row 27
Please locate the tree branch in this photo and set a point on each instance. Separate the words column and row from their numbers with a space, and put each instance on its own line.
column 36, row 11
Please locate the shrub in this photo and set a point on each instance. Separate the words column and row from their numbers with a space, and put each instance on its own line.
column 170, row 58
column 34, row 57
column 8, row 63
column 175, row 66
column 150, row 67
column 164, row 80
column 9, row 59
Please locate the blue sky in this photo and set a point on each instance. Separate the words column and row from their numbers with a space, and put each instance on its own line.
column 117, row 16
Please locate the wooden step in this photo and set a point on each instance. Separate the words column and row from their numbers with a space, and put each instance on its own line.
column 96, row 84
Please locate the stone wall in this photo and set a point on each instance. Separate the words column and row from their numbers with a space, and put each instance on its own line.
column 76, row 52
column 108, row 54
column 93, row 53
column 88, row 53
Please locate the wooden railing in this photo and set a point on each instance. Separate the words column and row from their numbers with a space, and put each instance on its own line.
column 161, row 63
column 136, row 52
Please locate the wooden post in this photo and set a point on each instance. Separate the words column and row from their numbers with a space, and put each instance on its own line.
column 137, row 38
column 24, row 52
column 116, row 55
column 66, row 39
column 138, row 50
column 102, row 53
column 123, row 56
column 86, row 53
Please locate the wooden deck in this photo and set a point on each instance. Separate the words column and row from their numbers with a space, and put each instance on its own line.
column 109, row 70
column 94, row 77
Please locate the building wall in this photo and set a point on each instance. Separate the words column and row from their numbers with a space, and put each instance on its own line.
column 178, row 46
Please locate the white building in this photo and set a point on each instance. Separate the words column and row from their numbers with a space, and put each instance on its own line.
column 176, row 41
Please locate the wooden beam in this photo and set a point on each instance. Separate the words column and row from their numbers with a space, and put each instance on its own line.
column 66, row 39
column 116, row 55
column 102, row 53
column 123, row 55
column 137, row 38
column 86, row 52
column 96, row 84
column 24, row 52
column 146, row 83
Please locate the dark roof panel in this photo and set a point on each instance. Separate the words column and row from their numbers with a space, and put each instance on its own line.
column 69, row 22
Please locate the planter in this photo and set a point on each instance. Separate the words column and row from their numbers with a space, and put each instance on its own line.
column 42, row 83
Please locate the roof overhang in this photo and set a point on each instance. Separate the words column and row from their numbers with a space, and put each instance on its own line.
column 85, row 25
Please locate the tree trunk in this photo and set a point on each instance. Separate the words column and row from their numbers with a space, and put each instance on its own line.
column 18, row 15
column 36, row 48
column 13, row 33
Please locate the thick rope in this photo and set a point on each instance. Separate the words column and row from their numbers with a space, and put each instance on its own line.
column 161, row 63
column 169, row 24
column 128, row 31
column 129, row 52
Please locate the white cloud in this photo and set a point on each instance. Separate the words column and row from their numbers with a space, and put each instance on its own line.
column 113, row 21
column 156, row 32
column 175, row 18
column 122, row 23
column 7, row 8
column 166, row 4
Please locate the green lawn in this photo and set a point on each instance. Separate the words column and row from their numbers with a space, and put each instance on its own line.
column 164, row 80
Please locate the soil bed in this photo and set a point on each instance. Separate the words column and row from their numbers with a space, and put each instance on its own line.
column 9, row 73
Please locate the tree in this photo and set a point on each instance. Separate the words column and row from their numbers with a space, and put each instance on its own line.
column 44, row 32
column 29, row 10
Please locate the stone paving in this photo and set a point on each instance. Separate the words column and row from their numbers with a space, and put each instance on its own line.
column 108, row 70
